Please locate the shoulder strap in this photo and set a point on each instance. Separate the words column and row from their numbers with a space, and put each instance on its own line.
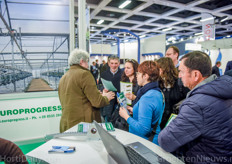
column 153, row 132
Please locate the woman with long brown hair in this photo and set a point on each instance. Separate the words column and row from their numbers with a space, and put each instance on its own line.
column 129, row 75
column 172, row 88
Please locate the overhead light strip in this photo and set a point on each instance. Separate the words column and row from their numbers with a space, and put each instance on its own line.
column 224, row 19
column 100, row 21
column 171, row 38
column 196, row 34
column 167, row 29
column 206, row 19
column 124, row 4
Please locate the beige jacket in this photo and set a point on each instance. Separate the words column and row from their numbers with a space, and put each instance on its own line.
column 78, row 96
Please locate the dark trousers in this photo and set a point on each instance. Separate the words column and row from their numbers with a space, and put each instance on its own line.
column 106, row 111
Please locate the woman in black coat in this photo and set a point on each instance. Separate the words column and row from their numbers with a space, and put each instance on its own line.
column 172, row 87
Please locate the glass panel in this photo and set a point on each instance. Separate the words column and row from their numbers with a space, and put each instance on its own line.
column 44, row 26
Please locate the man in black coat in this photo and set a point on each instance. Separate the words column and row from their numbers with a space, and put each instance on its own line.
column 94, row 71
column 113, row 74
column 103, row 67
column 215, row 69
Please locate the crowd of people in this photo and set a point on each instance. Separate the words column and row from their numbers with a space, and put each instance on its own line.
column 202, row 128
column 188, row 87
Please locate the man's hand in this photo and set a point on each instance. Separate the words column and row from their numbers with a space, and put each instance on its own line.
column 105, row 90
column 110, row 95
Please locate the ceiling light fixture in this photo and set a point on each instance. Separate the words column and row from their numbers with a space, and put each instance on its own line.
column 142, row 36
column 100, row 21
column 196, row 34
column 124, row 4
column 171, row 38
column 206, row 19
column 167, row 29
column 224, row 18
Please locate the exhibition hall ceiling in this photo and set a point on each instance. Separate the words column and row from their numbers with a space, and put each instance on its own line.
column 151, row 17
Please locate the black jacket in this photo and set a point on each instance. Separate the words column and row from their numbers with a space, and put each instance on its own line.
column 215, row 70
column 172, row 96
column 115, row 79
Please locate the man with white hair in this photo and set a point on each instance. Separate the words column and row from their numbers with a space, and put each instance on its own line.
column 78, row 93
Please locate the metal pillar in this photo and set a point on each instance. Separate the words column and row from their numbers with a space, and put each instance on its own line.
column 12, row 63
column 82, row 24
column 71, row 26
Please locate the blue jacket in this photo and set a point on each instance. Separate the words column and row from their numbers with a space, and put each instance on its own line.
column 204, row 124
column 146, row 112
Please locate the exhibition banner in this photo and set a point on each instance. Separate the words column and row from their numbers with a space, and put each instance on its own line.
column 26, row 116
column 208, row 26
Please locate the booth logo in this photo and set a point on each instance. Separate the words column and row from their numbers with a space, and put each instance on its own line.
column 30, row 114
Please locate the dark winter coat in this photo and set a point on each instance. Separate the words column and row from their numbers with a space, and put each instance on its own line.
column 228, row 66
column 115, row 79
column 204, row 124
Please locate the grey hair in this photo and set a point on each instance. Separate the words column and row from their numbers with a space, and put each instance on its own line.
column 76, row 56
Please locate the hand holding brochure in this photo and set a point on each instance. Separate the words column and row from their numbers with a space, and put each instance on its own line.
column 126, row 87
column 172, row 117
column 108, row 85
column 122, row 101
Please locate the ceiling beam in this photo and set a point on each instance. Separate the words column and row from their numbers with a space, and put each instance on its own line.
column 27, row 53
column 54, row 52
column 14, row 39
column 39, row 34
